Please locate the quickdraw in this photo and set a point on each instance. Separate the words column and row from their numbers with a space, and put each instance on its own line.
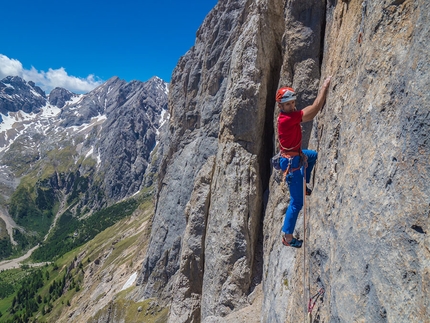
column 313, row 300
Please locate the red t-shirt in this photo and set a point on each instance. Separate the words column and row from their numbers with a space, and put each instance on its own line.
column 290, row 131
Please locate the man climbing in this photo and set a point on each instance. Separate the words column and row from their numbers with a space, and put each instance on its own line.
column 294, row 161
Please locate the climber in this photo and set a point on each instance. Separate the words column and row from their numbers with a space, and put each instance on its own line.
column 294, row 161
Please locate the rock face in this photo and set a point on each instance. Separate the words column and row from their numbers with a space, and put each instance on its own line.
column 219, row 210
column 369, row 216
column 203, row 123
column 89, row 150
column 60, row 96
column 16, row 94
column 127, row 137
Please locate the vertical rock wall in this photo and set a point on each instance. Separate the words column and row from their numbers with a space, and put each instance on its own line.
column 197, row 93
column 241, row 164
column 367, row 219
column 302, row 49
column 367, row 234
column 220, row 106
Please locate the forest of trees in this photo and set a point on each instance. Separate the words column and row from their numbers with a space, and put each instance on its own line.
column 5, row 248
column 31, row 297
column 64, row 238
column 27, row 293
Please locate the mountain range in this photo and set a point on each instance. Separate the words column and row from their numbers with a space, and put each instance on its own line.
column 201, row 239
column 80, row 153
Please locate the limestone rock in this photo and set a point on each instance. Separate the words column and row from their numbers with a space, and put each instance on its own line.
column 16, row 94
column 188, row 285
column 370, row 195
column 218, row 206
column 196, row 95
column 60, row 96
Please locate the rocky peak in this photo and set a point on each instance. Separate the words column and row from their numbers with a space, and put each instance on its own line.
column 113, row 96
column 97, row 102
column 60, row 96
column 36, row 88
column 134, row 118
column 16, row 94
column 120, row 124
column 157, row 84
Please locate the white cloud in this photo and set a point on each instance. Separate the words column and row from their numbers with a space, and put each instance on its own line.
column 50, row 79
column 9, row 67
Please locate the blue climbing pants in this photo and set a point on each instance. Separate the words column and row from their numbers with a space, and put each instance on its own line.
column 295, row 184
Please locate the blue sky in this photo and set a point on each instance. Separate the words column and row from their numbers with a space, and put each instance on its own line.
column 79, row 44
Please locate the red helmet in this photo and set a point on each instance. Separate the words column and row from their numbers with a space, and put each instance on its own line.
column 285, row 94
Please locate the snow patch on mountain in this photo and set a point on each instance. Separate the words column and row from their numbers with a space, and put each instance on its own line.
column 130, row 281
column 99, row 159
column 90, row 152
column 163, row 118
column 75, row 99
column 49, row 111
column 35, row 93
column 7, row 123
column 88, row 126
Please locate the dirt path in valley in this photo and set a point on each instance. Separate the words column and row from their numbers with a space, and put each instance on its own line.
column 16, row 263
column 10, row 225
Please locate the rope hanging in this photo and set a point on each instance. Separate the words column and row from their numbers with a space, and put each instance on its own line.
column 304, row 239
column 313, row 299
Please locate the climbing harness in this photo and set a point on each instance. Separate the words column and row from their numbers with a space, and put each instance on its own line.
column 286, row 153
column 275, row 161
column 290, row 156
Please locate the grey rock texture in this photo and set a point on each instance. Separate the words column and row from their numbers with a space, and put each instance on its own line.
column 99, row 101
column 60, row 96
column 16, row 94
column 218, row 206
column 369, row 216
column 188, row 283
column 129, row 133
column 109, row 132
column 111, row 97
column 212, row 77
column 197, row 91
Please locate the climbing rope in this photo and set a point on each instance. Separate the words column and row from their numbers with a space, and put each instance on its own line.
column 304, row 239
column 306, row 291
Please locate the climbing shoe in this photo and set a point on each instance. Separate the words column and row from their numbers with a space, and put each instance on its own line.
column 295, row 243
column 308, row 191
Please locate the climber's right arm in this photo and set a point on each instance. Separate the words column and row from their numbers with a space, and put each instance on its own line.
column 311, row 111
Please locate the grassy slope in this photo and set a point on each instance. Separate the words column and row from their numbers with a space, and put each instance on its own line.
column 107, row 261
column 35, row 202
